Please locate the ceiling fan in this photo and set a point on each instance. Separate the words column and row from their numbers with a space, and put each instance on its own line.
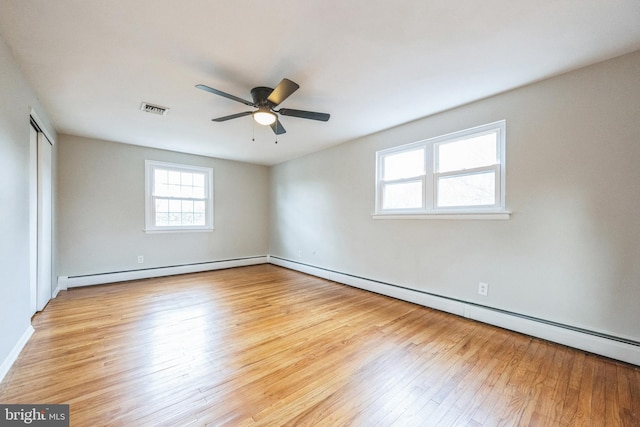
column 265, row 99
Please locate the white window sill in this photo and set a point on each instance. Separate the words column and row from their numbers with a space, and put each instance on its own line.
column 179, row 230
column 502, row 215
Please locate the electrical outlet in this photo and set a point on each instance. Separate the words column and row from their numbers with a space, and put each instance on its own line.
column 483, row 289
column 140, row 259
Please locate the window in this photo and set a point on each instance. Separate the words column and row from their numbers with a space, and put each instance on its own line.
column 178, row 197
column 458, row 173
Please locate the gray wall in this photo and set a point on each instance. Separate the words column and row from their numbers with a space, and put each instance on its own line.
column 101, row 210
column 16, row 101
column 570, row 252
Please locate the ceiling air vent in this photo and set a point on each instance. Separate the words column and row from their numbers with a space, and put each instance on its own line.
column 155, row 109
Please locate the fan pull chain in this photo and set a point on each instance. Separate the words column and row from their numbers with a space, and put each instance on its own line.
column 277, row 122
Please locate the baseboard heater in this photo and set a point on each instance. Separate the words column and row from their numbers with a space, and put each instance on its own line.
column 626, row 349
column 66, row 282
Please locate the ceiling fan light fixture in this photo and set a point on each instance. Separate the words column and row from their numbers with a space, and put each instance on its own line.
column 264, row 117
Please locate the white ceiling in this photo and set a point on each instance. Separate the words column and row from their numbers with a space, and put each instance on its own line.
column 372, row 64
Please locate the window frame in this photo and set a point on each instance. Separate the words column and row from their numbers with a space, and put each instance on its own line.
column 150, row 207
column 429, row 208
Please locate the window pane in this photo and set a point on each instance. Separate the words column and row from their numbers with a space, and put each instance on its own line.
column 467, row 190
column 175, row 218
column 173, row 190
column 175, row 205
column 198, row 219
column 161, row 190
column 406, row 164
column 198, row 179
column 187, row 206
column 174, row 177
column 405, row 195
column 187, row 178
column 162, row 205
column 160, row 176
column 174, row 212
column 198, row 186
column 187, row 219
column 179, row 184
column 186, row 192
column 468, row 153
column 198, row 193
column 162, row 219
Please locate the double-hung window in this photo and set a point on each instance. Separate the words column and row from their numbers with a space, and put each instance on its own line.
column 178, row 197
column 458, row 173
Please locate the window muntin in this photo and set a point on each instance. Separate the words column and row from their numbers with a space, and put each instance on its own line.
column 462, row 172
column 178, row 197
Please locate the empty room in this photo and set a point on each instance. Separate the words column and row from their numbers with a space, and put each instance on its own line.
column 306, row 213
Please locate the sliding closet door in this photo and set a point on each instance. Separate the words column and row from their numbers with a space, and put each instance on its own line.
column 33, row 220
column 44, row 252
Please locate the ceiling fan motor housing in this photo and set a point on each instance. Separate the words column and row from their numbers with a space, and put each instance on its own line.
column 260, row 95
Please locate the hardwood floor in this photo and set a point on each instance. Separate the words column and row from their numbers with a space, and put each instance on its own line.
column 263, row 345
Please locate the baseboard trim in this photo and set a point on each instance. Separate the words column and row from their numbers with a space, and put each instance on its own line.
column 8, row 362
column 66, row 282
column 619, row 348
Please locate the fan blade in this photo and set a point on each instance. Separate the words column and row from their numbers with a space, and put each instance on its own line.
column 277, row 128
column 226, row 95
column 323, row 117
column 284, row 89
column 232, row 116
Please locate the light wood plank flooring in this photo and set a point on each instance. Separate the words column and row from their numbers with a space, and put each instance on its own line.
column 263, row 345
